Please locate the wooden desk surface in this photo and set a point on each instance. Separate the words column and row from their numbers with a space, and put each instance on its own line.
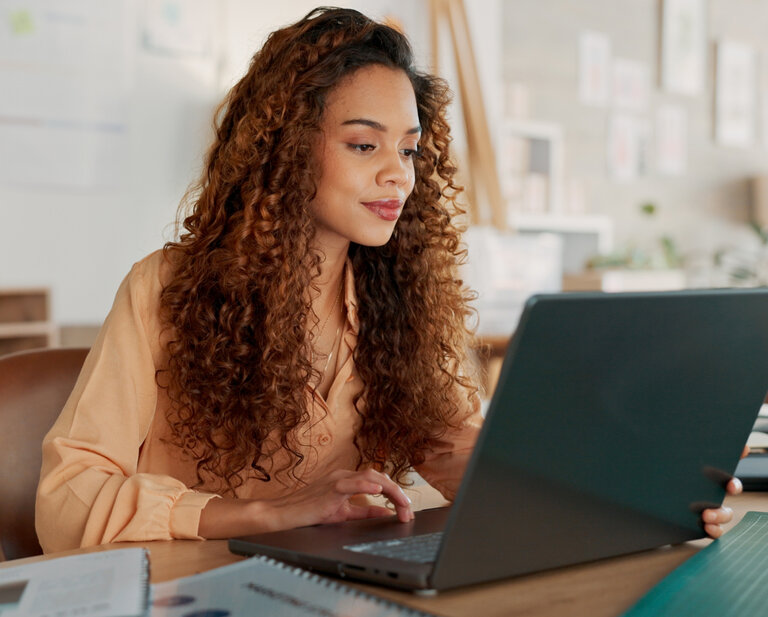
column 601, row 589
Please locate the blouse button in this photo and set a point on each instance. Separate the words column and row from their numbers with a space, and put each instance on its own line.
column 324, row 440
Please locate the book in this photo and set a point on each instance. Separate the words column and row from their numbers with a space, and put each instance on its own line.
column 113, row 583
column 262, row 586
column 727, row 578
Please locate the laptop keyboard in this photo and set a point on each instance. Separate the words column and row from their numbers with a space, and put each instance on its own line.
column 420, row 549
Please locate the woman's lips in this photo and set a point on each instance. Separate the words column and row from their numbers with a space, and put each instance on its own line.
column 386, row 209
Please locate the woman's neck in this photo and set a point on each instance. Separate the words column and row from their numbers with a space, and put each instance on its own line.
column 334, row 258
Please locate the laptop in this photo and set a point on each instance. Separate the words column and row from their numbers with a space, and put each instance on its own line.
column 616, row 420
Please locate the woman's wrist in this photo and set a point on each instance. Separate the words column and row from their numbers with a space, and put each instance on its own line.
column 229, row 516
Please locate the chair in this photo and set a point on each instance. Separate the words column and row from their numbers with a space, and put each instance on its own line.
column 34, row 386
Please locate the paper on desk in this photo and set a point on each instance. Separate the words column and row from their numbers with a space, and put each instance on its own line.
column 262, row 586
column 110, row 583
column 729, row 578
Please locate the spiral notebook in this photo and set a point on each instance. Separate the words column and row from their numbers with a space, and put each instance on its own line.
column 262, row 586
column 113, row 583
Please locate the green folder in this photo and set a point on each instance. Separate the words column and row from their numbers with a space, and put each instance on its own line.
column 728, row 577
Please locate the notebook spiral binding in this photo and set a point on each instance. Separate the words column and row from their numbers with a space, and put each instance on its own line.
column 399, row 609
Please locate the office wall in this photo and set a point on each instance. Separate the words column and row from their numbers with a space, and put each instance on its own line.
column 702, row 210
column 82, row 241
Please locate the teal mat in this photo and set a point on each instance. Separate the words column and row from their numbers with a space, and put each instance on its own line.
column 728, row 577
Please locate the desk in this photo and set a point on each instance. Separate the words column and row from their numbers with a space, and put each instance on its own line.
column 601, row 589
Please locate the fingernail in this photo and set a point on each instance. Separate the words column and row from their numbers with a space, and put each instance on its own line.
column 379, row 488
column 408, row 498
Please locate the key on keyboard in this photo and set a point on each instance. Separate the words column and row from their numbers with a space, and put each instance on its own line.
column 421, row 549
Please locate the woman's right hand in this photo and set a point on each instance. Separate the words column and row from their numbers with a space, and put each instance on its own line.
column 326, row 501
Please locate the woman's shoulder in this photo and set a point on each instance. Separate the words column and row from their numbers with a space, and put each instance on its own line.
column 151, row 272
column 143, row 286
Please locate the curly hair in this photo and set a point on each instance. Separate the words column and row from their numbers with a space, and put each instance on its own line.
column 237, row 305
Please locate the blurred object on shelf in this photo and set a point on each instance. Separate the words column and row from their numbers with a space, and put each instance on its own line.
column 663, row 253
column 665, row 256
column 505, row 269
column 759, row 209
column 618, row 280
column 581, row 236
column 531, row 167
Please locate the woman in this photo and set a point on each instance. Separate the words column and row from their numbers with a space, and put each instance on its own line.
column 303, row 344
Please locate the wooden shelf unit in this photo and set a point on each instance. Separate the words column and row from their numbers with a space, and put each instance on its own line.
column 25, row 319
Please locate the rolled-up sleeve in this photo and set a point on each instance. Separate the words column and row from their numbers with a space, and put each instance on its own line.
column 447, row 459
column 90, row 491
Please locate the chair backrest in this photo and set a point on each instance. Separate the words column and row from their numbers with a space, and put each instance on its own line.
column 34, row 386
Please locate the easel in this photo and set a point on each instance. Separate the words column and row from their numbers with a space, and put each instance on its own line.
column 482, row 175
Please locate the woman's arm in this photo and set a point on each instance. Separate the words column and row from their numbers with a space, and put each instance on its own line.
column 90, row 491
column 325, row 501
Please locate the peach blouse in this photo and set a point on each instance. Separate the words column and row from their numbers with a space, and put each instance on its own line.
column 108, row 474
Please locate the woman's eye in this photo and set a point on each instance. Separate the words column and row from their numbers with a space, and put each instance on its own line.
column 362, row 147
column 410, row 152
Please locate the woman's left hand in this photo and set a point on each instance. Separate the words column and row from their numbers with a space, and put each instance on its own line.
column 713, row 518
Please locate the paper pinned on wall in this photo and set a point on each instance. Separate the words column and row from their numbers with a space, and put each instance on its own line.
column 683, row 46
column 179, row 27
column 631, row 84
column 735, row 94
column 65, row 70
column 594, row 68
column 627, row 138
column 764, row 97
column 671, row 140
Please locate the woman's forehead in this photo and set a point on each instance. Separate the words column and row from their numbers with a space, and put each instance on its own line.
column 377, row 94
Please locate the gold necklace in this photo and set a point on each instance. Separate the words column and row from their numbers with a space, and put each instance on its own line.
column 330, row 355
column 333, row 308
column 335, row 337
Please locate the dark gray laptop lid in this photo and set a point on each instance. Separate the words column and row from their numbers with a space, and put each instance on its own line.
column 616, row 420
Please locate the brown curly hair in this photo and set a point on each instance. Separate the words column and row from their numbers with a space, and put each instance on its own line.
column 237, row 304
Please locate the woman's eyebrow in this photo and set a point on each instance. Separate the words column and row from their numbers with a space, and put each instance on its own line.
column 378, row 126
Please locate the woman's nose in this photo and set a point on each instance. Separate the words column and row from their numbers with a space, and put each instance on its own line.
column 395, row 169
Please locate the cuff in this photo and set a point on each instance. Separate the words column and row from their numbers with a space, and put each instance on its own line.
column 185, row 514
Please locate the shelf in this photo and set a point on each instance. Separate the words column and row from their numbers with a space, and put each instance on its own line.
column 31, row 328
column 24, row 319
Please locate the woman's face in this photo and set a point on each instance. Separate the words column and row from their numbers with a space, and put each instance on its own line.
column 370, row 134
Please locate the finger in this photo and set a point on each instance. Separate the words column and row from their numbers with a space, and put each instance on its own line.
column 745, row 451
column 717, row 515
column 394, row 493
column 361, row 512
column 357, row 484
column 713, row 531
column 400, row 501
column 734, row 486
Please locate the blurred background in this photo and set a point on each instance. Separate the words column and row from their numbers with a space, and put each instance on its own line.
column 609, row 145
